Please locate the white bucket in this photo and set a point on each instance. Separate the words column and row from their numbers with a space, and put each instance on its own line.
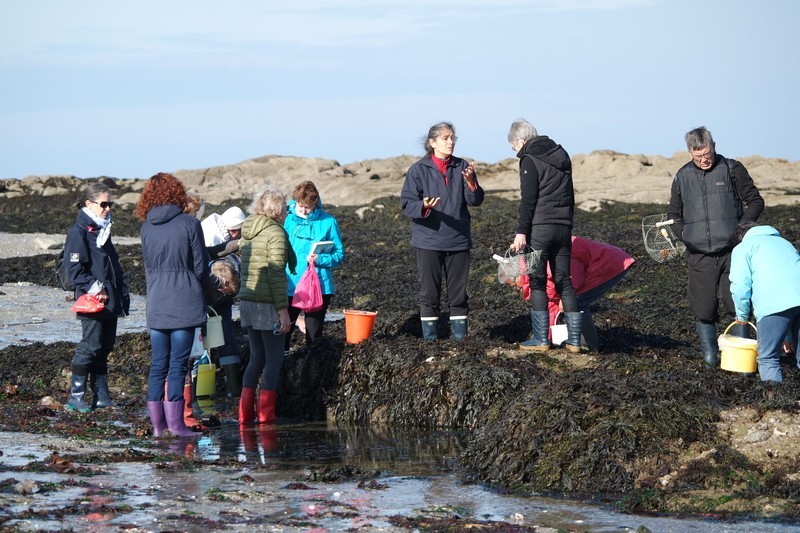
column 214, row 334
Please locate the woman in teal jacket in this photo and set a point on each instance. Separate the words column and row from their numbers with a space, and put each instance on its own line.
column 765, row 269
column 306, row 223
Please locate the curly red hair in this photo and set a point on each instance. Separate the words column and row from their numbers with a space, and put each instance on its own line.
column 161, row 189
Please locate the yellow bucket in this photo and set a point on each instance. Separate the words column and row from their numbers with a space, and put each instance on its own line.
column 206, row 379
column 738, row 354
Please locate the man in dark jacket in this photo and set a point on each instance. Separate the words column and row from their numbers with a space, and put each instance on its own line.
column 546, row 209
column 710, row 196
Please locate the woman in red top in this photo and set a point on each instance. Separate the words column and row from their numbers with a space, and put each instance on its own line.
column 595, row 269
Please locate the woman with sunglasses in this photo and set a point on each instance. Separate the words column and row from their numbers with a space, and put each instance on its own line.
column 263, row 301
column 93, row 266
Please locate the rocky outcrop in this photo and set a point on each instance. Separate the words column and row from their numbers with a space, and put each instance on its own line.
column 603, row 175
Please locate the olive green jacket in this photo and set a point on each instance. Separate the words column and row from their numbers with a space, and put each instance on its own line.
column 265, row 252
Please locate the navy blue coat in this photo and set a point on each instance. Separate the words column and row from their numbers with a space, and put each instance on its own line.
column 446, row 227
column 86, row 263
column 176, row 266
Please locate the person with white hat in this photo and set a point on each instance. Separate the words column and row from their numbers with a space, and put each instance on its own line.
column 222, row 234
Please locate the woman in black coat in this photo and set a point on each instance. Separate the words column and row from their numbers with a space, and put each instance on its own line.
column 93, row 267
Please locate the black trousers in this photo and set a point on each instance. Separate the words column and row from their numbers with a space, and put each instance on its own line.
column 315, row 322
column 91, row 353
column 707, row 276
column 555, row 242
column 431, row 265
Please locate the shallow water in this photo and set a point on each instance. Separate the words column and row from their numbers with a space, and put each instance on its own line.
column 245, row 484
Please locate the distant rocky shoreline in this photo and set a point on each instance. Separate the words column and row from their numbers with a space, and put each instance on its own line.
column 600, row 176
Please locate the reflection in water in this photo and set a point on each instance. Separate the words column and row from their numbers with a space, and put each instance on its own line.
column 400, row 451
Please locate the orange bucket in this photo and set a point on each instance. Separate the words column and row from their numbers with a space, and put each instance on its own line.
column 358, row 325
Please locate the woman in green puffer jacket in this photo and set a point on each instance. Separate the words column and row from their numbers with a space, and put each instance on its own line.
column 263, row 294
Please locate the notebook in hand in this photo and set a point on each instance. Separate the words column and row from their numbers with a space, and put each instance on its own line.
column 322, row 247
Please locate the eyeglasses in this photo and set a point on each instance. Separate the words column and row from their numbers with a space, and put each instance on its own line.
column 103, row 205
column 700, row 157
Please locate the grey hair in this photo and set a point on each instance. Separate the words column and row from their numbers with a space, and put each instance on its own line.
column 523, row 130
column 699, row 138
column 269, row 201
column 434, row 132
column 91, row 192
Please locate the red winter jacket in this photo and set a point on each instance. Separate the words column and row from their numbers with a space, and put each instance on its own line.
column 593, row 263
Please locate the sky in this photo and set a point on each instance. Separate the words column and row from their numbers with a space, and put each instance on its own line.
column 131, row 88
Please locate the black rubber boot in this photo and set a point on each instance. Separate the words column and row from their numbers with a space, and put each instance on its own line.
column 707, row 332
column 100, row 396
column 574, row 322
column 77, row 394
column 540, row 326
column 233, row 380
column 458, row 327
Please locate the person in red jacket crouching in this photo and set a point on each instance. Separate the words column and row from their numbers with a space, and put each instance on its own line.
column 595, row 269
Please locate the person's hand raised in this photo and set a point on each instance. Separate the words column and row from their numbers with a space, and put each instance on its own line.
column 469, row 175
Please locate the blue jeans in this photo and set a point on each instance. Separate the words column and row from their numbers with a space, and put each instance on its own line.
column 170, row 361
column 772, row 330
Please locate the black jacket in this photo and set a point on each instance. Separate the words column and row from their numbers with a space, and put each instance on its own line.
column 545, row 181
column 86, row 263
column 707, row 205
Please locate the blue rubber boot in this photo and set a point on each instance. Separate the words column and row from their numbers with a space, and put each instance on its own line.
column 539, row 341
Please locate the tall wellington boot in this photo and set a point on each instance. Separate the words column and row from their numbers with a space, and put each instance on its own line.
column 540, row 324
column 173, row 412
column 574, row 322
column 100, row 396
column 77, row 393
column 458, row 327
column 430, row 328
column 707, row 332
column 247, row 411
column 233, row 380
column 156, row 412
column 266, row 406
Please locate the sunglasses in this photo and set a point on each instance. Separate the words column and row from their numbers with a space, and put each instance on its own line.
column 103, row 205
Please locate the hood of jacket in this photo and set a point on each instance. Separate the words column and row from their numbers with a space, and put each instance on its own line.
column 548, row 151
column 255, row 224
column 161, row 214
column 313, row 215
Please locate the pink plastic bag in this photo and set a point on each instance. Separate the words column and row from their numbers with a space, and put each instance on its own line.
column 308, row 293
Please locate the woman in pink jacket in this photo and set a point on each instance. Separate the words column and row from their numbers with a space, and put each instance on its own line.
column 595, row 269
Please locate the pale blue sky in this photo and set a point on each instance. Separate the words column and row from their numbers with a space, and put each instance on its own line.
column 128, row 89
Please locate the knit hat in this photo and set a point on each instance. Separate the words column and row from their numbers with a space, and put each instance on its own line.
column 233, row 218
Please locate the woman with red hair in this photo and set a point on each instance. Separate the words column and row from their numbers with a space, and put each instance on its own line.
column 176, row 268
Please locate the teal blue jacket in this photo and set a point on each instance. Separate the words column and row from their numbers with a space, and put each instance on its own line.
column 303, row 233
column 765, row 269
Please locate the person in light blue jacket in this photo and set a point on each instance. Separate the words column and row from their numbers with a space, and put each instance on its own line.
column 765, row 270
column 306, row 223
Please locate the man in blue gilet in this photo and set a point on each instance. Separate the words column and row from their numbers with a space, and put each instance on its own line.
column 710, row 196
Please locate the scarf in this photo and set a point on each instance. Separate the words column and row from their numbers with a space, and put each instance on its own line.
column 103, row 223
